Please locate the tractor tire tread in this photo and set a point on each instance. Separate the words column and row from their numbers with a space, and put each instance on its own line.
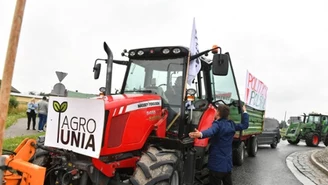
column 150, row 171
column 161, row 163
column 158, row 179
column 151, row 156
column 144, row 169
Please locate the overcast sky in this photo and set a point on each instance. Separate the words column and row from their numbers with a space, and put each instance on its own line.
column 283, row 43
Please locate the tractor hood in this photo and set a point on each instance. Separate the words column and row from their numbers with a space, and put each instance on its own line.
column 120, row 100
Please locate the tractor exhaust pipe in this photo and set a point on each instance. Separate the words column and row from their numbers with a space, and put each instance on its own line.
column 109, row 69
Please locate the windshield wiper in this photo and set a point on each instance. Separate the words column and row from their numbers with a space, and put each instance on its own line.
column 144, row 91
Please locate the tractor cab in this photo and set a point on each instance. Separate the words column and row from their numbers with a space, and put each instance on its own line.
column 315, row 122
column 161, row 71
column 164, row 71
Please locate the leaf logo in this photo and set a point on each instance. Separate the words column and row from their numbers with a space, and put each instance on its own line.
column 60, row 108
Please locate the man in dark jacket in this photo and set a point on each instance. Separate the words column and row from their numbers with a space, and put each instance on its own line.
column 221, row 133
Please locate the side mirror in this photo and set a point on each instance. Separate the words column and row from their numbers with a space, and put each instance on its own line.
column 96, row 70
column 220, row 64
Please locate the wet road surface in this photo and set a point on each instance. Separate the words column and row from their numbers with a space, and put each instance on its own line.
column 269, row 166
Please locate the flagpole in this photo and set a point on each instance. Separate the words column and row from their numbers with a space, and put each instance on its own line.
column 188, row 64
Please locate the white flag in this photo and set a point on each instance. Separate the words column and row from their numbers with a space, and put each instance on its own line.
column 195, row 65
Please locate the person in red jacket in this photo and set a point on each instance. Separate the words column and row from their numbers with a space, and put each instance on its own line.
column 220, row 152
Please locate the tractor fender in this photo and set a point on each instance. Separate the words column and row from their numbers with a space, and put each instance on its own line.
column 205, row 123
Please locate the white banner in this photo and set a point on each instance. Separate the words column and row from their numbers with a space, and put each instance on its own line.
column 76, row 124
column 195, row 65
column 255, row 92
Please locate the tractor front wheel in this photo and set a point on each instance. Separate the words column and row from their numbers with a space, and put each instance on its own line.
column 312, row 139
column 158, row 167
column 293, row 142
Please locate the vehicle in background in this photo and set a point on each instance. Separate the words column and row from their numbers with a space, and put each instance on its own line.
column 270, row 134
column 312, row 129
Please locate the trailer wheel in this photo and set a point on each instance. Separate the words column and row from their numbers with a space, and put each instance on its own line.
column 312, row 139
column 158, row 167
column 252, row 146
column 293, row 142
column 239, row 154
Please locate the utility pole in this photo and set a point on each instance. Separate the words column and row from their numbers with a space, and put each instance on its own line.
column 9, row 69
column 285, row 116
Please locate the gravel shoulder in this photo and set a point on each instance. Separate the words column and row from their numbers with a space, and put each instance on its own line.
column 19, row 129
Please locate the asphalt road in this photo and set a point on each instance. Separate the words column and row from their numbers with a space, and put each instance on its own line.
column 269, row 166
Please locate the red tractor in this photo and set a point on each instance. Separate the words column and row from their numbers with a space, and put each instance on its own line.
column 145, row 140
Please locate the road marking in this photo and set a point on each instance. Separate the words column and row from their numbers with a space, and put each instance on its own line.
column 303, row 179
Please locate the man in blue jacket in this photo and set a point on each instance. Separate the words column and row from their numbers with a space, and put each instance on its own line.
column 221, row 133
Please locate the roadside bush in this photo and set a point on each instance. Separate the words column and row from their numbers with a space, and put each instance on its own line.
column 13, row 103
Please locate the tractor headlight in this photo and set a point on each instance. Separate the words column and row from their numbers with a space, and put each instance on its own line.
column 132, row 53
column 176, row 50
column 166, row 51
column 140, row 52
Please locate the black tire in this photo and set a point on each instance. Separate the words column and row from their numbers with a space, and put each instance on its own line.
column 293, row 142
column 239, row 154
column 252, row 147
column 275, row 143
column 325, row 142
column 312, row 139
column 158, row 167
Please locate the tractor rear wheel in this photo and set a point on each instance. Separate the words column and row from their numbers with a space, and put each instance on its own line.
column 252, row 146
column 326, row 140
column 293, row 142
column 312, row 139
column 238, row 155
column 158, row 167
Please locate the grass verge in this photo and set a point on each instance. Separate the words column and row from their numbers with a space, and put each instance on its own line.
column 12, row 143
column 13, row 117
column 15, row 113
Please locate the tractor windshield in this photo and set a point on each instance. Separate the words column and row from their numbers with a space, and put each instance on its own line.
column 162, row 77
column 313, row 119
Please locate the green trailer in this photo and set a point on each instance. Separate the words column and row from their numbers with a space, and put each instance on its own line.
column 313, row 128
column 246, row 140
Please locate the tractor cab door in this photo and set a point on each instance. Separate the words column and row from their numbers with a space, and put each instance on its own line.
column 196, row 109
column 157, row 76
column 224, row 88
